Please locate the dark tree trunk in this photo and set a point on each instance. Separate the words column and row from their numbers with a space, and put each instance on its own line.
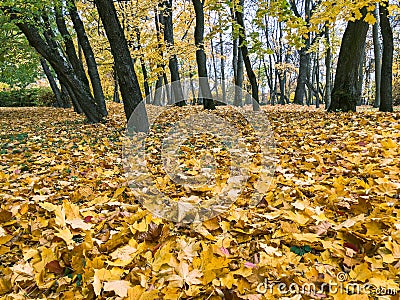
column 75, row 102
column 144, row 70
column 387, row 60
column 116, row 98
column 305, row 59
column 158, row 93
column 64, row 70
column 328, row 67
column 360, row 80
column 317, row 101
column 221, row 49
column 51, row 40
column 52, row 82
column 282, row 86
column 377, row 58
column 89, row 57
column 238, row 101
column 344, row 94
column 246, row 59
column 65, row 97
column 303, row 75
column 173, row 61
column 208, row 102
column 129, row 85
column 70, row 47
column 215, row 70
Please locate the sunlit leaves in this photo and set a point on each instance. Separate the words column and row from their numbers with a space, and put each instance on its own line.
column 70, row 227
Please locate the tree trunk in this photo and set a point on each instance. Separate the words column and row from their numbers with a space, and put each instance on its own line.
column 128, row 82
column 208, row 102
column 305, row 58
column 116, row 98
column 328, row 67
column 144, row 70
column 317, row 101
column 173, row 61
column 377, row 58
column 89, row 57
column 303, row 76
column 246, row 59
column 158, row 93
column 66, row 98
column 215, row 70
column 239, row 79
column 52, row 82
column 344, row 93
column 360, row 80
column 70, row 47
column 64, row 69
column 223, row 84
column 387, row 60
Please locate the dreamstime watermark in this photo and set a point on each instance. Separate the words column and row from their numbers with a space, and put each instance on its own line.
column 332, row 287
column 192, row 163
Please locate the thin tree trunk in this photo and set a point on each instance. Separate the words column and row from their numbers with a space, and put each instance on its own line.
column 64, row 69
column 387, row 60
column 89, row 57
column 144, row 70
column 223, row 84
column 70, row 47
column 116, row 98
column 377, row 58
column 201, row 59
column 52, row 82
column 129, row 85
column 173, row 61
column 158, row 93
column 317, row 101
column 360, row 80
column 328, row 67
column 246, row 59
column 215, row 70
column 305, row 59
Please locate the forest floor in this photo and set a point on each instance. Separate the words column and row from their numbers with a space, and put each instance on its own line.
column 328, row 227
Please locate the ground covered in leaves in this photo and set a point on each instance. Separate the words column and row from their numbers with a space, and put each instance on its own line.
column 329, row 226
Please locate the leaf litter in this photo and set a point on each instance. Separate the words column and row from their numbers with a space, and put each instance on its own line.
column 70, row 227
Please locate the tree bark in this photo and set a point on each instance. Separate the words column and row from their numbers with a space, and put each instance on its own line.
column 173, row 61
column 303, row 75
column 66, row 98
column 208, row 102
column 377, row 58
column 116, row 98
column 344, row 94
column 144, row 70
column 360, row 79
column 89, row 57
column 305, row 58
column 328, row 68
column 223, row 84
column 246, row 59
column 386, row 104
column 52, row 82
column 64, row 69
column 128, row 82
column 70, row 47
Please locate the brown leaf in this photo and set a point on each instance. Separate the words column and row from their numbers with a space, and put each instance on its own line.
column 55, row 267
